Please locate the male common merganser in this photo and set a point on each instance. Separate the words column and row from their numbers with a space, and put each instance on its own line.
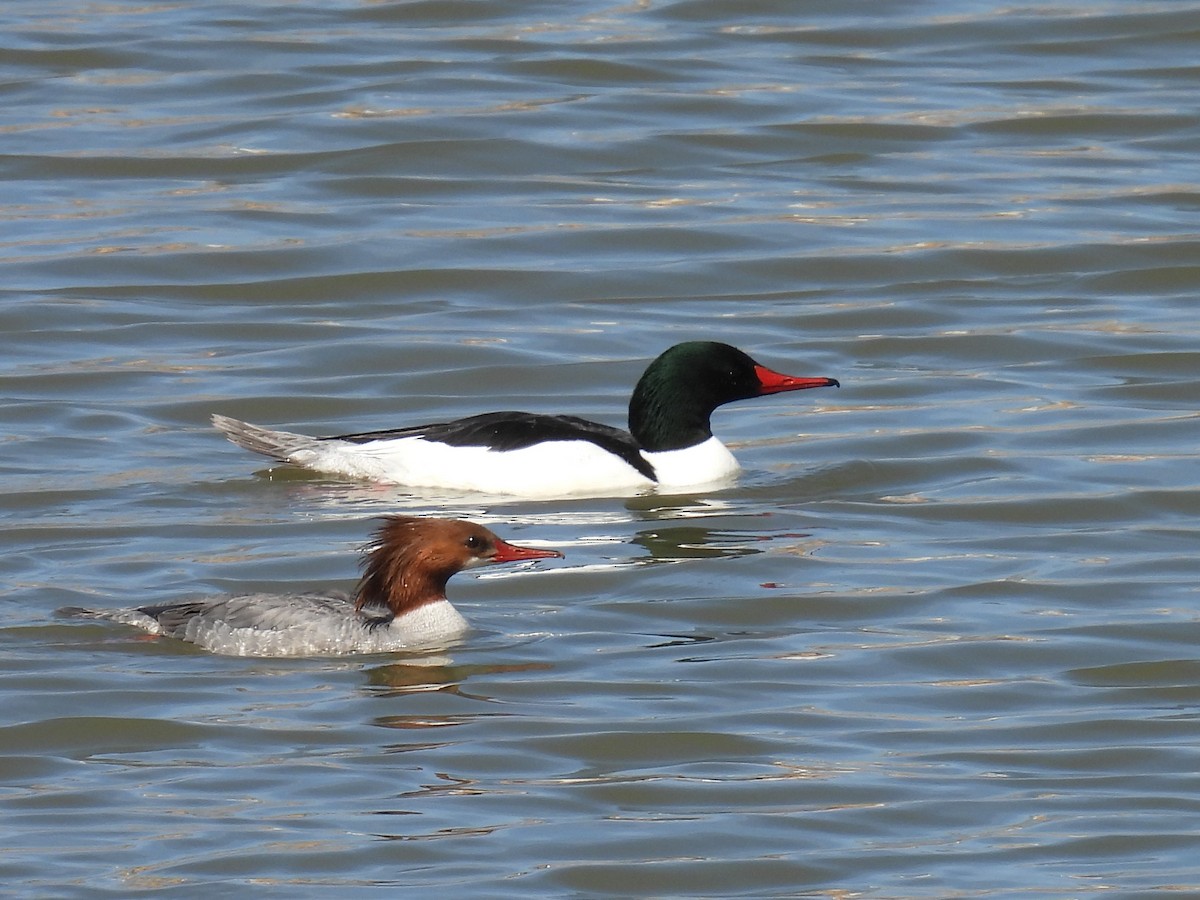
column 669, row 443
column 400, row 601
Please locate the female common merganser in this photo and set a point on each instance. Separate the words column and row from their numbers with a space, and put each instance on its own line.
column 400, row 601
column 669, row 443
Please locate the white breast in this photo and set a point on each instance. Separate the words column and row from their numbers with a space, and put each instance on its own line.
column 703, row 464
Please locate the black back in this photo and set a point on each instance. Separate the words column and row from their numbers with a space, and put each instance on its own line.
column 502, row 431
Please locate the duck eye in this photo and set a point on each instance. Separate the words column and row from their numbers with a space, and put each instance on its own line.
column 474, row 542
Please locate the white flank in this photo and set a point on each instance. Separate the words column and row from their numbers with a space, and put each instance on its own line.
column 549, row 469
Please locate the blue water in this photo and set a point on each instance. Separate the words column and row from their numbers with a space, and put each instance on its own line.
column 938, row 641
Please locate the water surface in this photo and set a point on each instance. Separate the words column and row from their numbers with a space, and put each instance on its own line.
column 939, row 640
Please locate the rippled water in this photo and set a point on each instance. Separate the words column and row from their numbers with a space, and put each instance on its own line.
column 940, row 640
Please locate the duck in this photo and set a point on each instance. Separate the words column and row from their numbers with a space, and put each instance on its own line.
column 399, row 604
column 669, row 445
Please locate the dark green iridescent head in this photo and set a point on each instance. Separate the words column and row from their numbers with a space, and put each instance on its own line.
column 674, row 400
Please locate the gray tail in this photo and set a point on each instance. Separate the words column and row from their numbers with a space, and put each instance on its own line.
column 78, row 612
column 281, row 445
column 139, row 618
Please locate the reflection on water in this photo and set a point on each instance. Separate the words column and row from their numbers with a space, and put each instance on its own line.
column 694, row 542
column 438, row 674
column 680, row 640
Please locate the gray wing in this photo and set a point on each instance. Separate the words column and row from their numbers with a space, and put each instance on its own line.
column 264, row 612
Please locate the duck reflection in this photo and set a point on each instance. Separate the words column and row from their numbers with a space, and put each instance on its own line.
column 696, row 542
column 437, row 674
